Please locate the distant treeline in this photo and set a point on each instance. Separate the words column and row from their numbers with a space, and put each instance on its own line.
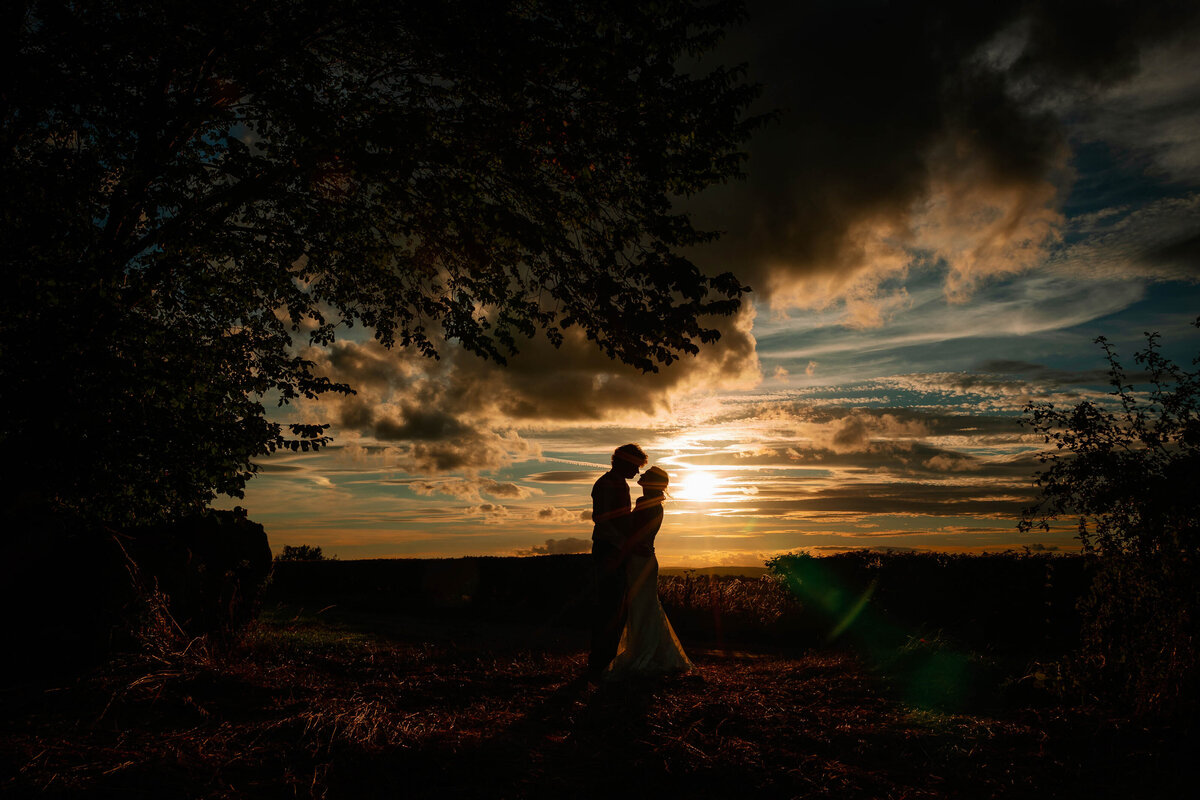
column 1005, row 602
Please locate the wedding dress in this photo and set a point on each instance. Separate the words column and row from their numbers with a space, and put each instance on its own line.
column 648, row 643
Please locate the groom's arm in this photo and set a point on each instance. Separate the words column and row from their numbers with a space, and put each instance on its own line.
column 611, row 512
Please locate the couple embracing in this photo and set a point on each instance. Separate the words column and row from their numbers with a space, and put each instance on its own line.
column 630, row 632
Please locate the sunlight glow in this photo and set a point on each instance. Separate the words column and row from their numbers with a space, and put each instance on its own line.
column 696, row 484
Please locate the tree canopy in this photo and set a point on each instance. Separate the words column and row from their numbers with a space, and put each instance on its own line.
column 190, row 189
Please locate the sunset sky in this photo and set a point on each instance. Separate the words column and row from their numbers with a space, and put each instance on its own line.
column 953, row 204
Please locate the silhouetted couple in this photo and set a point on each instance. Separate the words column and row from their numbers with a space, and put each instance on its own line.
column 630, row 632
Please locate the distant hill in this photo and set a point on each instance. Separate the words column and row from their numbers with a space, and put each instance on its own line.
column 745, row 572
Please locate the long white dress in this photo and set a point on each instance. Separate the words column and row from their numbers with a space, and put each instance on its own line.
column 648, row 645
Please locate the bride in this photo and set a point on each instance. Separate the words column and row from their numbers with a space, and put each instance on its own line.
column 648, row 643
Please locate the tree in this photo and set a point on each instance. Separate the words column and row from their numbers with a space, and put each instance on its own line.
column 1129, row 472
column 190, row 187
column 303, row 552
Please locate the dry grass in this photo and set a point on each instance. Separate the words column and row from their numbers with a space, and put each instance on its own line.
column 762, row 599
column 390, row 706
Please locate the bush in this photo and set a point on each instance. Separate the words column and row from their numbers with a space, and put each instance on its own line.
column 1129, row 471
column 81, row 592
column 213, row 567
column 999, row 602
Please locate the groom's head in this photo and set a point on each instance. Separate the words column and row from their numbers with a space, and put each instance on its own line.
column 628, row 459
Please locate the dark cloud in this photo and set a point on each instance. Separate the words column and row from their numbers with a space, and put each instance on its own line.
column 915, row 134
column 371, row 367
column 1043, row 374
column 579, row 382
column 417, row 424
column 565, row 476
column 459, row 412
column 1094, row 43
column 558, row 547
column 476, row 450
column 1181, row 253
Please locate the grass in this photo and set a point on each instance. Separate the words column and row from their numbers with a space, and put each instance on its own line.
column 356, row 704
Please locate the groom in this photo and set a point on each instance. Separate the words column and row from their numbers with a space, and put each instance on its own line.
column 611, row 513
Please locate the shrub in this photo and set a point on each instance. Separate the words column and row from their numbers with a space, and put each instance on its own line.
column 1129, row 471
column 81, row 591
column 213, row 568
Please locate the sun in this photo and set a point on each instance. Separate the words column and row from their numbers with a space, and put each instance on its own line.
column 696, row 484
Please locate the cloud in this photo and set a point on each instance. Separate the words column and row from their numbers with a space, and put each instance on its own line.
column 996, row 391
column 566, row 515
column 1043, row 374
column 558, row 547
column 1103, row 47
column 471, row 488
column 855, row 431
column 937, row 138
column 460, row 413
column 578, row 382
column 836, row 428
column 1151, row 116
column 1160, row 241
column 898, row 147
column 1040, row 302
column 565, row 476
column 491, row 513
column 951, row 462
column 475, row 451
column 900, row 498
column 897, row 461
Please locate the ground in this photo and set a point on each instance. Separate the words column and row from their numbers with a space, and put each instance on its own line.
column 320, row 705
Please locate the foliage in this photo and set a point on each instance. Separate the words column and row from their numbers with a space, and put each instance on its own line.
column 302, row 552
column 1021, row 603
column 85, row 593
column 191, row 188
column 214, row 568
column 1129, row 472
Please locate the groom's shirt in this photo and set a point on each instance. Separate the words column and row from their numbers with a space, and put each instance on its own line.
column 610, row 509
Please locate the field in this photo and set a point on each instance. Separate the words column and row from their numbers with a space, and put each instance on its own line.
column 420, row 692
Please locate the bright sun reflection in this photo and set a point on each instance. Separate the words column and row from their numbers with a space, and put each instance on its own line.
column 695, row 484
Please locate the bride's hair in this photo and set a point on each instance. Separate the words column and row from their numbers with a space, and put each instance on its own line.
column 655, row 478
